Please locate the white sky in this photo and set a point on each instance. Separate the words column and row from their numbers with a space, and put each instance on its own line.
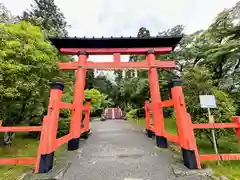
column 125, row 17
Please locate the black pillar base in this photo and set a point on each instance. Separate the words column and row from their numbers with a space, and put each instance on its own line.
column 161, row 141
column 149, row 133
column 85, row 134
column 73, row 144
column 46, row 162
column 189, row 159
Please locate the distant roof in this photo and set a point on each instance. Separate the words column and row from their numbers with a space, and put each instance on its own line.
column 115, row 42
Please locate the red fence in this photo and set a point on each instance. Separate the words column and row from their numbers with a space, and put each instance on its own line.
column 186, row 138
column 235, row 125
column 48, row 140
column 20, row 160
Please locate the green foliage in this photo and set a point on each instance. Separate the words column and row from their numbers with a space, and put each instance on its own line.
column 132, row 114
column 98, row 101
column 197, row 82
column 174, row 31
column 90, row 80
column 105, row 86
column 28, row 63
column 134, row 92
column 22, row 147
column 63, row 126
column 46, row 14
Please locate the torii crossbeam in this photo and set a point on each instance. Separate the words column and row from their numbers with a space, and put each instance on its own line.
column 116, row 47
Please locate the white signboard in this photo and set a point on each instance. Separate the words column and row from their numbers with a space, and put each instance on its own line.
column 207, row 101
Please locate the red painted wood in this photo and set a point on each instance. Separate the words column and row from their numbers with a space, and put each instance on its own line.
column 20, row 129
column 117, row 65
column 214, row 157
column 110, row 51
column 171, row 137
column 26, row 160
column 147, row 115
column 65, row 105
column 236, row 119
column 186, row 135
column 116, row 57
column 151, row 127
column 166, row 103
column 86, row 118
column 215, row 126
column 75, row 124
column 62, row 140
column 158, row 118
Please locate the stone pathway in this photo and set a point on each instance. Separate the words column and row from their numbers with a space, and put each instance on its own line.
column 117, row 150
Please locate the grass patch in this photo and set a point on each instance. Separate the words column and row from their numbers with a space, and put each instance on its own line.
column 230, row 169
column 170, row 125
column 140, row 122
column 20, row 147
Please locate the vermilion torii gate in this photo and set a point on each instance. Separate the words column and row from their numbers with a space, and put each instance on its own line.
column 116, row 47
column 149, row 47
column 83, row 47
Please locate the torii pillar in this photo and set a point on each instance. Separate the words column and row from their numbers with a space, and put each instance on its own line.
column 158, row 117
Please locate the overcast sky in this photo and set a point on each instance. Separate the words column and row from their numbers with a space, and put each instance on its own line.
column 125, row 17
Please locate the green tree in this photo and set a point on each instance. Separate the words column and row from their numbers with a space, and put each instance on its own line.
column 28, row 63
column 6, row 16
column 218, row 50
column 90, row 79
column 99, row 100
column 199, row 81
column 174, row 31
column 47, row 15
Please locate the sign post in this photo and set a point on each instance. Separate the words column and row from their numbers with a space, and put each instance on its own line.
column 209, row 101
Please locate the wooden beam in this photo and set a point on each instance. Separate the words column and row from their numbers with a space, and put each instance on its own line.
column 117, row 65
column 110, row 51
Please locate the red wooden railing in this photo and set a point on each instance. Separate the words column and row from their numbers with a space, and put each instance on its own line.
column 186, row 138
column 19, row 160
column 235, row 125
column 48, row 140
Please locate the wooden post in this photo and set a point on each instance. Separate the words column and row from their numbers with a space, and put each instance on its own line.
column 149, row 132
column 236, row 119
column 76, row 121
column 87, row 120
column 49, row 131
column 184, row 126
column 158, row 118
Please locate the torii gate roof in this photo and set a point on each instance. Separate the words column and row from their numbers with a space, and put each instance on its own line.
column 115, row 42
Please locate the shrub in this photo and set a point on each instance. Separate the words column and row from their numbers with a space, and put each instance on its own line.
column 199, row 82
column 132, row 114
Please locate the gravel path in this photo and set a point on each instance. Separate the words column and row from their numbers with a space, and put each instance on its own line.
column 117, row 150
